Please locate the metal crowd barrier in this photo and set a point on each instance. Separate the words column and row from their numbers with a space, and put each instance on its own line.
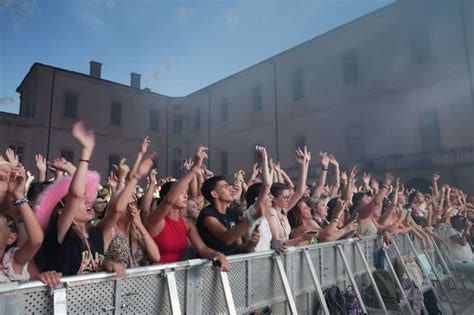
column 289, row 284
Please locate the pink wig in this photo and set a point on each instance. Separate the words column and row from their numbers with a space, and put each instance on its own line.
column 50, row 197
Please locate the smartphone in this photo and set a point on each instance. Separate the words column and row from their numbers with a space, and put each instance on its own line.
column 257, row 226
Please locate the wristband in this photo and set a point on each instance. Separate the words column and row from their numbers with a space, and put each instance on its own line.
column 217, row 255
column 82, row 160
column 20, row 202
column 324, row 169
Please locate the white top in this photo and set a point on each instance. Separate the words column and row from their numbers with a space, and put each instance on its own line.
column 264, row 230
column 284, row 228
column 7, row 274
column 457, row 251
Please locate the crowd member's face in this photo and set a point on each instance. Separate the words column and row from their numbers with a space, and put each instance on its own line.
column 222, row 192
column 321, row 210
column 283, row 199
column 99, row 205
column 193, row 209
column 305, row 210
column 365, row 200
column 85, row 213
column 420, row 198
column 401, row 199
column 182, row 202
column 7, row 237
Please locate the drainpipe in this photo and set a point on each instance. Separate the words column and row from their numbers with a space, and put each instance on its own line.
column 466, row 48
column 209, row 127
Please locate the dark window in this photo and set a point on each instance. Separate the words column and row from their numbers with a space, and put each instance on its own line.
column 71, row 100
column 19, row 151
column 298, row 91
column 356, row 142
column 114, row 159
column 420, row 46
column 177, row 164
column 177, row 123
column 224, row 163
column 349, row 67
column 68, row 155
column 429, row 130
column 225, row 110
column 300, row 142
column 197, row 119
column 154, row 120
column 257, row 98
column 116, row 114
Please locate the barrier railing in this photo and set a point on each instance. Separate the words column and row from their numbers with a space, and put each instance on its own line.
column 289, row 284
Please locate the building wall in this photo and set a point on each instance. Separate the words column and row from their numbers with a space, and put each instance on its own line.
column 368, row 88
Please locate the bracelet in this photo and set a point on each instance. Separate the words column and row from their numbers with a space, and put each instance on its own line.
column 217, row 255
column 20, row 202
column 82, row 160
column 324, row 169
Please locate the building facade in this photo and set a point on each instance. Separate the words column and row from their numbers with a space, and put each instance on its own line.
column 390, row 91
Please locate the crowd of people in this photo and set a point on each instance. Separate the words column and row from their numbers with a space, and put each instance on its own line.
column 71, row 224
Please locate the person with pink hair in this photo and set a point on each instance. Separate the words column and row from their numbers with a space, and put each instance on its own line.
column 71, row 247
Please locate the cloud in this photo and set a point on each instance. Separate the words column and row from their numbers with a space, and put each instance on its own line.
column 184, row 13
column 232, row 17
column 7, row 101
column 18, row 10
column 91, row 19
column 168, row 63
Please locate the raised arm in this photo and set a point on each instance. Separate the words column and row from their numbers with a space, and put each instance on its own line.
column 40, row 163
column 435, row 184
column 322, row 176
column 337, row 179
column 75, row 196
column 143, row 148
column 145, row 206
column 27, row 251
column 303, row 157
column 155, row 222
column 376, row 202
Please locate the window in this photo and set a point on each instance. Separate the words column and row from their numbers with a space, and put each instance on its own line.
column 177, row 164
column 154, row 120
column 197, row 119
column 300, row 142
column 19, row 151
column 68, row 155
column 224, row 163
column 177, row 123
column 356, row 142
column 116, row 114
column 70, row 104
column 298, row 91
column 349, row 67
column 225, row 110
column 114, row 159
column 257, row 98
column 420, row 46
column 429, row 130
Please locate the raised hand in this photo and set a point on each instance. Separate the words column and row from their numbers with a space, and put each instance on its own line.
column 199, row 157
column 303, row 156
column 12, row 157
column 40, row 162
column 85, row 137
column 16, row 185
column 343, row 176
column 324, row 159
column 145, row 165
column 145, row 144
column 436, row 176
column 63, row 165
column 353, row 173
column 152, row 177
column 187, row 165
column 366, row 178
column 122, row 169
column 332, row 160
column 113, row 180
column 388, row 180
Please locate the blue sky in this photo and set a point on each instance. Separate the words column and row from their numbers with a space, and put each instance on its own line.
column 177, row 46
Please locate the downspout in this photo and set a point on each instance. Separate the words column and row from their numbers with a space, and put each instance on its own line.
column 209, row 128
column 466, row 48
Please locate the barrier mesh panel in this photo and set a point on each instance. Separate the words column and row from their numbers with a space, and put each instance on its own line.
column 144, row 295
column 264, row 291
column 301, row 302
column 238, row 283
column 91, row 298
column 279, row 308
column 37, row 302
column 302, row 276
column 213, row 300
